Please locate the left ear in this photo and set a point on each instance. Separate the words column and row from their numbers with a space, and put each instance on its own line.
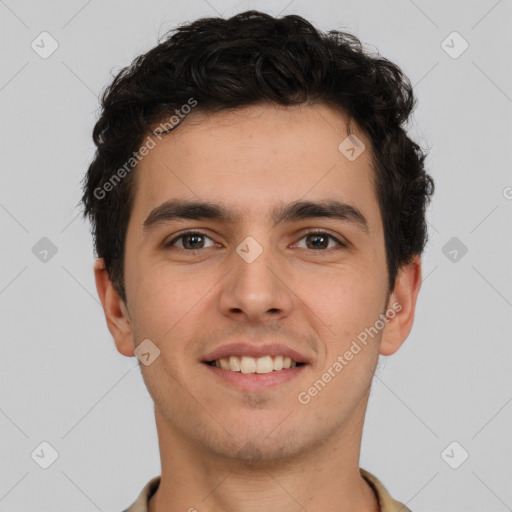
column 403, row 303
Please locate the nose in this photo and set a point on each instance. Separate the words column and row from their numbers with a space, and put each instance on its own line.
column 256, row 290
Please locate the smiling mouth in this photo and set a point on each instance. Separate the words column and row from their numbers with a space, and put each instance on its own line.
column 259, row 365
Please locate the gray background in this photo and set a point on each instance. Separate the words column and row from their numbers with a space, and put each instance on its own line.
column 61, row 379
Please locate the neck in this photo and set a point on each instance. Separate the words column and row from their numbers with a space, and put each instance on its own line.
column 324, row 478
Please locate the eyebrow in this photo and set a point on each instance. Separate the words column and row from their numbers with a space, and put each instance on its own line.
column 178, row 209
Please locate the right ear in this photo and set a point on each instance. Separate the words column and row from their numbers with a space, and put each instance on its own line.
column 116, row 314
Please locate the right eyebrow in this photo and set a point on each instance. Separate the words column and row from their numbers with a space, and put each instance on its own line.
column 176, row 209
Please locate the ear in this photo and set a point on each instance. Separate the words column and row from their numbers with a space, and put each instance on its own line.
column 116, row 314
column 402, row 302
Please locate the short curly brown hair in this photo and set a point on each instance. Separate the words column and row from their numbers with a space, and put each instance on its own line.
column 248, row 59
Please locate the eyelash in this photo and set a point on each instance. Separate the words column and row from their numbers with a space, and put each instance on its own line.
column 310, row 232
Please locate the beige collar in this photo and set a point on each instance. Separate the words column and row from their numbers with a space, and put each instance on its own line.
column 386, row 502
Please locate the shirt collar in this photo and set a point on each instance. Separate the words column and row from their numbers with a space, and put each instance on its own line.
column 386, row 502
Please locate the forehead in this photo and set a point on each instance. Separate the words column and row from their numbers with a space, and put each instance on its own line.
column 254, row 158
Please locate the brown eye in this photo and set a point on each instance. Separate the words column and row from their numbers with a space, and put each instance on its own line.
column 318, row 240
column 190, row 241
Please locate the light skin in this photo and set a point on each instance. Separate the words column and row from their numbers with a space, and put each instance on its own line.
column 221, row 448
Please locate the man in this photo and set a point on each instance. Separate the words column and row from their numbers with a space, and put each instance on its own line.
column 258, row 214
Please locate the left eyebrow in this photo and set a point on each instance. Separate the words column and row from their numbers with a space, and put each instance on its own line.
column 332, row 209
column 176, row 209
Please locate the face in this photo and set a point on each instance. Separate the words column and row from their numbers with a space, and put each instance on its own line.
column 255, row 273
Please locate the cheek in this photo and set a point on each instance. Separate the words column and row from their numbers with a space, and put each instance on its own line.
column 169, row 305
column 342, row 305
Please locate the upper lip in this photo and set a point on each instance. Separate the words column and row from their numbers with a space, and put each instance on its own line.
column 245, row 349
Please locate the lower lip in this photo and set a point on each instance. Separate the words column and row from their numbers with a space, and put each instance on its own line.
column 255, row 381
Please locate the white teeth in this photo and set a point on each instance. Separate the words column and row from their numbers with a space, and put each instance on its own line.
column 264, row 365
column 278, row 363
column 245, row 364
column 234, row 363
column 248, row 365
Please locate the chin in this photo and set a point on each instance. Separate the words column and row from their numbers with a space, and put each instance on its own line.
column 262, row 447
